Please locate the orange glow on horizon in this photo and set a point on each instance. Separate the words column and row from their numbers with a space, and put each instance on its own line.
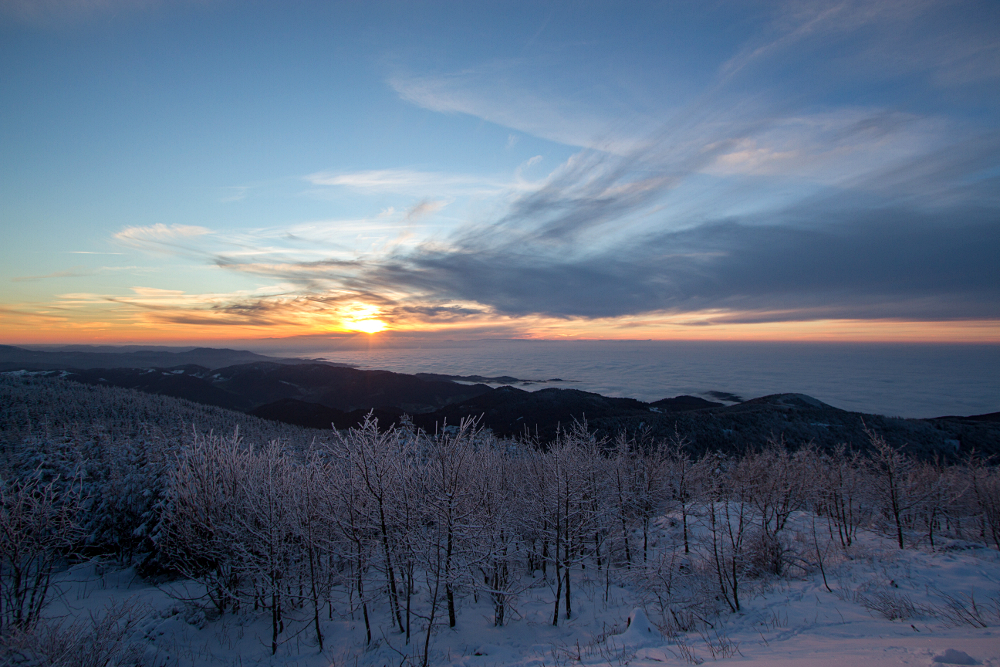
column 364, row 318
column 181, row 319
column 68, row 331
column 367, row 326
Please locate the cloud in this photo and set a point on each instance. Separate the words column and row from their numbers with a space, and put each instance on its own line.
column 405, row 181
column 917, row 239
column 187, row 241
column 798, row 21
column 173, row 236
column 235, row 193
column 440, row 313
column 423, row 208
column 954, row 44
column 893, row 263
column 267, row 307
column 805, row 53
column 826, row 147
column 706, row 222
column 494, row 92
column 75, row 272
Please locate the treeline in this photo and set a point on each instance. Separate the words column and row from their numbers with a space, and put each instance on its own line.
column 39, row 407
column 400, row 524
column 83, row 473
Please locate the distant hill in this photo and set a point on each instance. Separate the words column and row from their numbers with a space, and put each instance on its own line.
column 314, row 415
column 512, row 411
column 794, row 419
column 343, row 388
column 248, row 386
column 53, row 408
column 320, row 395
column 14, row 358
column 682, row 404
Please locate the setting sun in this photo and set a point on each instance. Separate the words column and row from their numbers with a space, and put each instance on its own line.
column 363, row 317
column 368, row 326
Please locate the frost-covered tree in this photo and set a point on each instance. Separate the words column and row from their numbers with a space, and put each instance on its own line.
column 38, row 523
column 199, row 533
column 498, row 509
column 450, row 460
column 729, row 520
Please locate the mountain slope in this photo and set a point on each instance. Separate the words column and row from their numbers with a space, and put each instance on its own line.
column 319, row 394
column 15, row 358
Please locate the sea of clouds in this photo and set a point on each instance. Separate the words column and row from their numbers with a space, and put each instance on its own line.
column 907, row 380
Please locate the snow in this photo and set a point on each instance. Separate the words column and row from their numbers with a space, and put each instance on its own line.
column 953, row 657
column 640, row 631
column 785, row 621
column 247, row 519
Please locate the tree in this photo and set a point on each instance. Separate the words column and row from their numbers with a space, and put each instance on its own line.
column 729, row 521
column 370, row 453
column 894, row 482
column 449, row 460
column 841, row 483
column 683, row 479
column 265, row 547
column 199, row 524
column 497, row 509
column 985, row 481
column 38, row 522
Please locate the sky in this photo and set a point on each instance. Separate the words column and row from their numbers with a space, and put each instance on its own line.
column 219, row 170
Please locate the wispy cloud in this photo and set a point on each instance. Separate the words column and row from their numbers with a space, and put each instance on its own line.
column 160, row 234
column 887, row 264
column 913, row 235
column 955, row 45
column 947, row 45
column 579, row 246
column 798, row 22
column 180, row 240
column 730, row 207
column 234, row 193
column 494, row 93
column 827, row 147
column 75, row 272
column 424, row 208
column 409, row 182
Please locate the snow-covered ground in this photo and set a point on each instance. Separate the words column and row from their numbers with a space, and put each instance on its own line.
column 259, row 519
column 887, row 607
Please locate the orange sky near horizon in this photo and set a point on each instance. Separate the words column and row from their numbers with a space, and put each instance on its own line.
column 221, row 174
column 116, row 326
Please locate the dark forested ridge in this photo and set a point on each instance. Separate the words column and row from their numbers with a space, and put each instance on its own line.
column 248, row 386
column 14, row 358
column 55, row 411
column 320, row 395
column 792, row 418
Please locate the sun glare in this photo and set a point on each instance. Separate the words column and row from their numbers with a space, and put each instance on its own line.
column 368, row 326
column 363, row 317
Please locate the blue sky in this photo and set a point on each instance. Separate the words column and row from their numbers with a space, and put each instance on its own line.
column 205, row 170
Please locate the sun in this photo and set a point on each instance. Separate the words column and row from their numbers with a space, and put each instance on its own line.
column 367, row 326
column 363, row 317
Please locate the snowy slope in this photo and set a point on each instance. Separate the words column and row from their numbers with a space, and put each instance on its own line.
column 787, row 621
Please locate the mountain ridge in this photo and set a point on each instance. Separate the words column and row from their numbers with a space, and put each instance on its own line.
column 321, row 395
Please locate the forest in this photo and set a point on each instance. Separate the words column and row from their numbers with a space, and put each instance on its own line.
column 409, row 532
